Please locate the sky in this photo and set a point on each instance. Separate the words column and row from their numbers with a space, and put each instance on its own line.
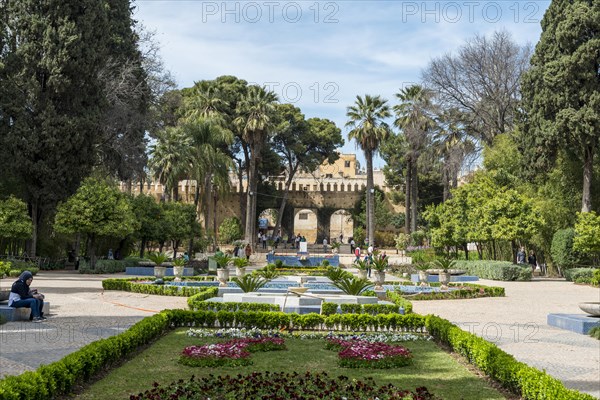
column 319, row 55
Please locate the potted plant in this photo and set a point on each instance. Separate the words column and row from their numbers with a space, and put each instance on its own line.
column 379, row 264
column 423, row 274
column 178, row 268
column 240, row 266
column 444, row 266
column 223, row 261
column 362, row 267
column 335, row 247
column 158, row 259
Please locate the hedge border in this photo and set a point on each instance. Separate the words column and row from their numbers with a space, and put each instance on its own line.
column 60, row 377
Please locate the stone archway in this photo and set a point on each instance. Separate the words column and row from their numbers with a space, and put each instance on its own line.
column 306, row 223
column 266, row 221
column 341, row 223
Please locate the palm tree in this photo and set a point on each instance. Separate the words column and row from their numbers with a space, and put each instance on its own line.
column 414, row 116
column 365, row 118
column 170, row 158
column 255, row 112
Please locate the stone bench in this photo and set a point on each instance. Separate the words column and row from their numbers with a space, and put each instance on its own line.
column 17, row 314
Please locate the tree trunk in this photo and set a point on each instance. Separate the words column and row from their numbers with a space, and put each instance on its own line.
column 196, row 200
column 288, row 184
column 588, row 170
column 92, row 251
column 407, row 189
column 446, row 183
column 176, row 191
column 206, row 202
column 215, row 217
column 250, row 232
column 142, row 247
column 370, row 198
column 175, row 246
column 242, row 198
column 414, row 194
column 466, row 247
column 34, row 206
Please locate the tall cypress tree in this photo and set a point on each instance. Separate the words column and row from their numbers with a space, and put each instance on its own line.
column 561, row 91
column 52, row 101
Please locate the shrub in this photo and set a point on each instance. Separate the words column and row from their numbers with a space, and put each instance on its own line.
column 250, row 283
column 328, row 308
column 595, row 332
column 352, row 285
column 575, row 274
column 14, row 273
column 230, row 230
column 336, row 273
column 103, row 267
column 5, row 266
column 496, row 270
column 384, row 239
column 562, row 250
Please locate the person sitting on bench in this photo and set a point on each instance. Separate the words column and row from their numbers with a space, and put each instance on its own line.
column 21, row 295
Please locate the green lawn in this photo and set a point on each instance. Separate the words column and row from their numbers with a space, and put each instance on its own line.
column 431, row 367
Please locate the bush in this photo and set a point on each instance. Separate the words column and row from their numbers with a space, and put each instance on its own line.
column 496, row 270
column 14, row 273
column 230, row 230
column 104, row 266
column 562, row 252
column 575, row 274
column 595, row 332
column 384, row 239
column 5, row 266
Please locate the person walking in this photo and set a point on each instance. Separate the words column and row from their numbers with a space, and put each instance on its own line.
column 248, row 251
column 352, row 244
column 532, row 260
column 357, row 254
column 324, row 245
column 521, row 255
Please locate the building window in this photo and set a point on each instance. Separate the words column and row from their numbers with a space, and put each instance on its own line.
column 303, row 216
column 347, row 164
column 328, row 175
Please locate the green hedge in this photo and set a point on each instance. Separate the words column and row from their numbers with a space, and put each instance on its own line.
column 59, row 378
column 400, row 301
column 232, row 306
column 575, row 274
column 103, row 267
column 162, row 290
column 496, row 270
column 471, row 291
column 528, row 382
column 14, row 273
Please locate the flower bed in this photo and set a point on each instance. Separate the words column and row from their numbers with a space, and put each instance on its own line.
column 232, row 333
column 363, row 354
column 280, row 385
column 234, row 352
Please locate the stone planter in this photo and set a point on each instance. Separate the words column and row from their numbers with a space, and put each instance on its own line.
column 222, row 276
column 592, row 308
column 362, row 274
column 240, row 271
column 379, row 279
column 178, row 272
column 444, row 278
column 159, row 272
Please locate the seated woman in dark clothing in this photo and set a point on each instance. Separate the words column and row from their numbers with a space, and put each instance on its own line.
column 21, row 295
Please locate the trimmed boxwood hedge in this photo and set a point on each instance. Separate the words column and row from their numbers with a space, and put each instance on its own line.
column 471, row 291
column 59, row 378
column 496, row 270
column 530, row 383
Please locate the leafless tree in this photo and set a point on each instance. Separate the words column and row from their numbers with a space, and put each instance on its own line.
column 481, row 81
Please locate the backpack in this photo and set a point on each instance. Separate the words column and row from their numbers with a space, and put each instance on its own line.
column 357, row 252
